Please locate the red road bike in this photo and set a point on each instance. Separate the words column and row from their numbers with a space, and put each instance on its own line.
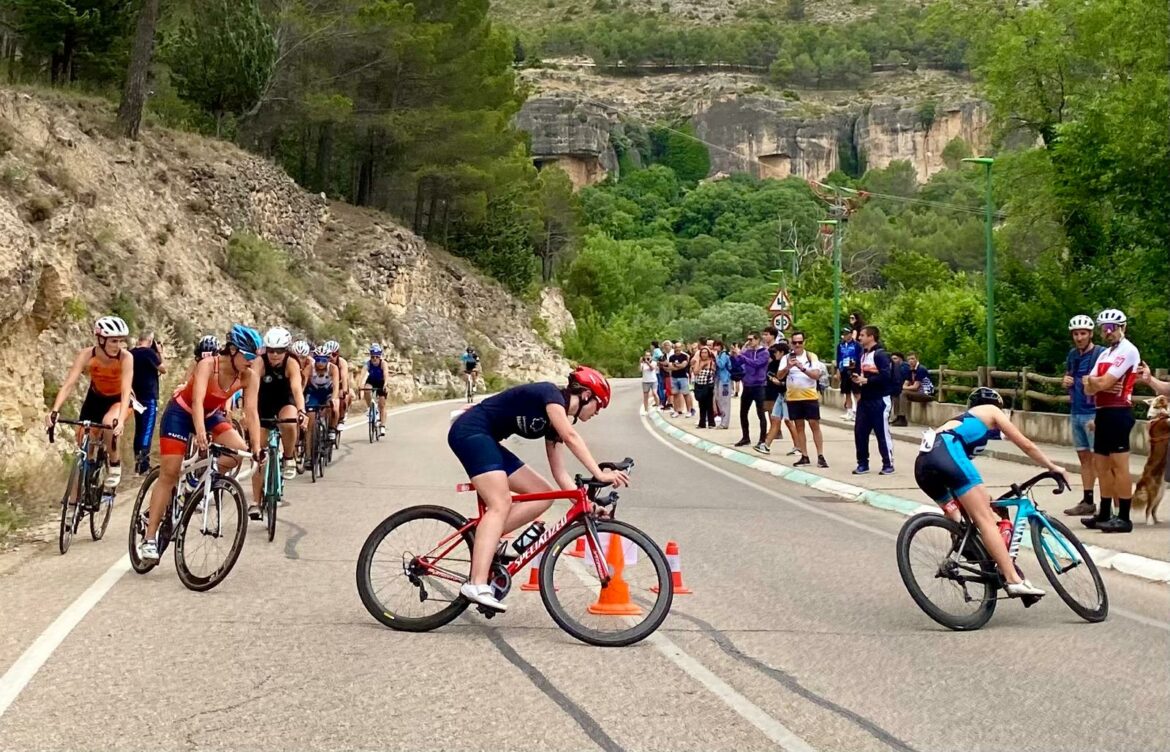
column 603, row 581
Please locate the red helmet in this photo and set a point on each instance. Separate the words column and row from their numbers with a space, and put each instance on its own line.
column 584, row 377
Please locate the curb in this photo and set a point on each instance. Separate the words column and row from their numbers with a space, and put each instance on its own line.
column 1153, row 570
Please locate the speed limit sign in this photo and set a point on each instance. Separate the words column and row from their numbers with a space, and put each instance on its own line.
column 782, row 321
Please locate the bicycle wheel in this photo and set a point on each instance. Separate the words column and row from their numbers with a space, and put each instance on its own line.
column 319, row 447
column 1078, row 583
column 272, row 492
column 954, row 588
column 622, row 612
column 400, row 592
column 373, row 425
column 211, row 535
column 69, row 509
column 139, row 516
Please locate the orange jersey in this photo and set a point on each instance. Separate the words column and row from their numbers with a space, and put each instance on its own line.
column 215, row 398
column 105, row 378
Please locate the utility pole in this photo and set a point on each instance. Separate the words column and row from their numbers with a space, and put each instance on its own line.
column 989, row 261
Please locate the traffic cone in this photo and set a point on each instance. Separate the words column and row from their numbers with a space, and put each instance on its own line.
column 534, row 574
column 614, row 599
column 672, row 558
column 579, row 550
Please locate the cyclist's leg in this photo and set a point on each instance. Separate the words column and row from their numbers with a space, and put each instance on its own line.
column 288, row 432
column 977, row 501
column 525, row 480
column 176, row 428
column 492, row 487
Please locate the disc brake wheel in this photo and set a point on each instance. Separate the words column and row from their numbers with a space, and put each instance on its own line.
column 629, row 608
column 943, row 581
column 1076, row 580
column 211, row 535
column 396, row 580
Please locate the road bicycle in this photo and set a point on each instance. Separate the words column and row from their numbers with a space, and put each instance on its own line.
column 469, row 378
column 322, row 448
column 618, row 592
column 84, row 490
column 201, row 520
column 951, row 577
column 372, row 416
column 273, row 477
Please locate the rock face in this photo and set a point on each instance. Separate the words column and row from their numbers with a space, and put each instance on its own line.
column 885, row 133
column 556, row 316
column 571, row 133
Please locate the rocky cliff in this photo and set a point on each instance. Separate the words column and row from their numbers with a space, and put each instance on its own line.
column 571, row 133
column 184, row 235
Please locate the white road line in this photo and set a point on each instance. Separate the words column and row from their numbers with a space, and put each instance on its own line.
column 20, row 673
column 1125, row 613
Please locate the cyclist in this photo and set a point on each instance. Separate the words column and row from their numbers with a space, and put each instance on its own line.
column 945, row 473
column 303, row 352
column 199, row 408
column 280, row 397
column 1079, row 362
column 372, row 379
column 322, row 384
column 531, row 411
column 470, row 361
column 333, row 347
column 107, row 401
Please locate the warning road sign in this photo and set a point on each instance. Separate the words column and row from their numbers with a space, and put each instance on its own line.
column 781, row 303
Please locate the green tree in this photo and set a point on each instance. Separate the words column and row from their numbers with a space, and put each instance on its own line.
column 75, row 39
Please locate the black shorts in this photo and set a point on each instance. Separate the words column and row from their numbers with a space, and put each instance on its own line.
column 271, row 403
column 1113, row 425
column 95, row 406
column 945, row 472
column 804, row 409
column 378, row 390
column 470, row 367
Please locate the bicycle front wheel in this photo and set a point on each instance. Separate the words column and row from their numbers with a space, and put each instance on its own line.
column 629, row 607
column 406, row 580
column 954, row 588
column 139, row 517
column 69, row 509
column 1070, row 569
column 211, row 535
column 272, row 494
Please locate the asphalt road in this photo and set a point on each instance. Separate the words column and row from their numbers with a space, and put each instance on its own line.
column 799, row 635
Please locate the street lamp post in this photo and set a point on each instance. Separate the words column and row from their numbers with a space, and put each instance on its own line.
column 836, row 225
column 989, row 264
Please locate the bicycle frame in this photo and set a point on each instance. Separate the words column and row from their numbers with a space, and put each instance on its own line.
column 1028, row 514
column 581, row 508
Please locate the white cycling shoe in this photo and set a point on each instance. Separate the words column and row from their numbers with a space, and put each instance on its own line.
column 114, row 477
column 481, row 594
column 148, row 551
column 1018, row 589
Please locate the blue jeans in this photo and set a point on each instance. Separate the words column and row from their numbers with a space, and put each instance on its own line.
column 144, row 432
column 661, row 388
column 1081, row 435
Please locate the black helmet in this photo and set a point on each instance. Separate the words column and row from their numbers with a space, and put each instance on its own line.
column 985, row 395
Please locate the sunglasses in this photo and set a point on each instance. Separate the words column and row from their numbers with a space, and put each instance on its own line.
column 1109, row 328
column 276, row 350
column 797, row 341
column 247, row 355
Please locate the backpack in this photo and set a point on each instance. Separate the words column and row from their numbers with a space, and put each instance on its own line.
column 823, row 380
column 736, row 369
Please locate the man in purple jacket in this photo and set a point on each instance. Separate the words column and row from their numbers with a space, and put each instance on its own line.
column 754, row 360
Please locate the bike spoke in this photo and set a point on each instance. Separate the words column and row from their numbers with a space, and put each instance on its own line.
column 944, row 577
column 410, row 590
column 210, row 535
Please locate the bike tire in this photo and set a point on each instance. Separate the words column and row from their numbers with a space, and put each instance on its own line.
column 1095, row 613
column 663, row 596
column 272, row 494
column 138, row 518
column 373, row 427
column 369, row 593
column 69, row 510
column 100, row 520
column 319, row 448
column 228, row 490
column 958, row 622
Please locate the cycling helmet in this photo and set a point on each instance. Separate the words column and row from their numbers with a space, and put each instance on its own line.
column 1080, row 321
column 277, row 338
column 985, row 395
column 470, row 349
column 111, row 326
column 375, row 350
column 320, row 355
column 1110, row 316
column 585, row 377
column 245, row 339
column 209, row 345
column 331, row 347
column 301, row 348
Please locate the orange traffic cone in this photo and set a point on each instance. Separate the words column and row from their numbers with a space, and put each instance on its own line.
column 534, row 574
column 675, row 562
column 579, row 550
column 614, row 599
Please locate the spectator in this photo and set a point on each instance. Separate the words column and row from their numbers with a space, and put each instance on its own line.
column 918, row 387
column 753, row 358
column 1082, row 408
column 649, row 379
column 736, row 370
column 704, row 370
column 722, row 386
column 775, row 389
column 848, row 356
column 1148, row 378
column 856, row 323
column 770, row 336
column 148, row 364
column 664, row 374
column 873, row 405
column 679, row 363
column 802, row 370
column 901, row 374
column 656, row 355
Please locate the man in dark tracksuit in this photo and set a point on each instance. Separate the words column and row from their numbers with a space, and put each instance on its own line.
column 873, row 406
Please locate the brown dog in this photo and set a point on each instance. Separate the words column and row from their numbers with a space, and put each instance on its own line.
column 1151, row 487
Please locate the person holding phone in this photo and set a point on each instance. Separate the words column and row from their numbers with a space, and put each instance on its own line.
column 148, row 365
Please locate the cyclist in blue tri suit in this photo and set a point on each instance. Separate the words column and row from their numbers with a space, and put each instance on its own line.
column 322, row 388
column 532, row 411
column 470, row 360
column 372, row 381
column 944, row 471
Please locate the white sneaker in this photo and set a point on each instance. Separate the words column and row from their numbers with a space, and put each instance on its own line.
column 673, row 414
column 481, row 594
column 290, row 469
column 147, row 551
column 114, row 477
column 381, row 430
column 1015, row 590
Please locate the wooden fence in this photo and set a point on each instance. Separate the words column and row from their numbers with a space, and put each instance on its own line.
column 1024, row 389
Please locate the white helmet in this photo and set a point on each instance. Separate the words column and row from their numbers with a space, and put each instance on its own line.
column 301, row 348
column 331, row 346
column 277, row 338
column 111, row 326
column 1110, row 316
column 1080, row 321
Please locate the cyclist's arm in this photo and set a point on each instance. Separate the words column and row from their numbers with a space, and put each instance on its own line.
column 79, row 364
column 295, row 384
column 363, row 375
column 251, row 381
column 573, row 441
column 199, row 376
column 556, row 465
column 1017, row 437
column 336, row 381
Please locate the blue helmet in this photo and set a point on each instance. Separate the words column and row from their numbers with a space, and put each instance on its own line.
column 246, row 339
column 376, row 349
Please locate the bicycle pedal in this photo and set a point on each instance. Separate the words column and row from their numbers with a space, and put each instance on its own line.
column 1029, row 600
column 488, row 613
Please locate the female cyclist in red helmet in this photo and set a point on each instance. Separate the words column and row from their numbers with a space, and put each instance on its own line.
column 531, row 411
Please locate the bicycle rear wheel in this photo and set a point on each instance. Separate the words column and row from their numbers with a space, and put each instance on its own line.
column 373, row 426
column 272, row 492
column 139, row 516
column 396, row 587
column 1078, row 583
column 211, row 535
column 626, row 610
column 69, row 509
column 954, row 588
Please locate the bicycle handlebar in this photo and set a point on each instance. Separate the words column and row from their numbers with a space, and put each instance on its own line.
column 1019, row 489
column 84, row 423
column 594, row 485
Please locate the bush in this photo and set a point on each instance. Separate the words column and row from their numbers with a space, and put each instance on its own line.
column 75, row 309
column 126, row 308
column 258, row 264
